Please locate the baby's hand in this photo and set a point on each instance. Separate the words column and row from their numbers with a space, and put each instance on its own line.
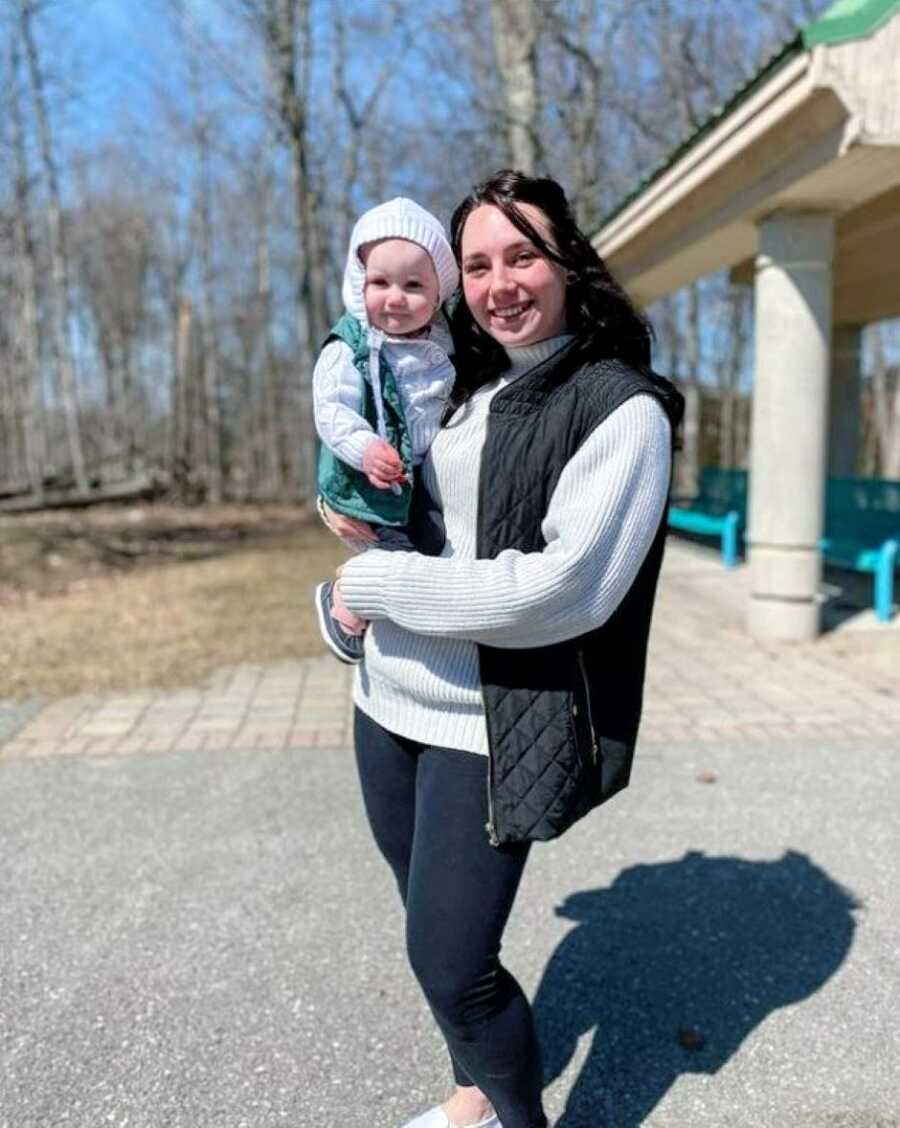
column 382, row 465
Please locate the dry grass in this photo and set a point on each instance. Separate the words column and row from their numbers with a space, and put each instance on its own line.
column 169, row 624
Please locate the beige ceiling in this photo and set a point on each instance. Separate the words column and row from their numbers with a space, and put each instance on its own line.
column 866, row 262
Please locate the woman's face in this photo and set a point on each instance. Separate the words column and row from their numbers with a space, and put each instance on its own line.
column 512, row 291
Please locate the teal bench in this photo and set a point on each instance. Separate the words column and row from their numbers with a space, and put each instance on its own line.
column 718, row 510
column 862, row 532
column 862, row 524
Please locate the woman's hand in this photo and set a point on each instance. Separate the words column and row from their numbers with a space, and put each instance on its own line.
column 382, row 465
column 351, row 531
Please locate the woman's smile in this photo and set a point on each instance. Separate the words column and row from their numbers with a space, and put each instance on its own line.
column 511, row 311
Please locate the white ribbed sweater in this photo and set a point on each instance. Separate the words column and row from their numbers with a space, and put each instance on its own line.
column 420, row 677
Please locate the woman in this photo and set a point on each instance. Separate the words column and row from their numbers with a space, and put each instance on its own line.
column 501, row 690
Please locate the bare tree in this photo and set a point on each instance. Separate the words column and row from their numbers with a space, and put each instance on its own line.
column 886, row 400
column 288, row 39
column 59, row 265
column 180, row 427
column 286, row 33
column 112, row 245
column 359, row 113
column 212, row 437
column 200, row 304
column 25, row 333
column 733, row 355
column 581, row 73
column 171, row 263
column 272, row 435
column 689, row 459
column 516, row 26
column 258, row 465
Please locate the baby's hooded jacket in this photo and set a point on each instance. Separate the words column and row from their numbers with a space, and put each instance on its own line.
column 368, row 385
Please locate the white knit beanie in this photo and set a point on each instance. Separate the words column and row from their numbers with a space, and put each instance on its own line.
column 397, row 219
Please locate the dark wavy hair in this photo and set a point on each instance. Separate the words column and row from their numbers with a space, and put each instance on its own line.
column 598, row 311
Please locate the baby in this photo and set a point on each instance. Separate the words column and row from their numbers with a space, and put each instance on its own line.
column 380, row 385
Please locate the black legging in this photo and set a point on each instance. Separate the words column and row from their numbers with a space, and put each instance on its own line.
column 427, row 807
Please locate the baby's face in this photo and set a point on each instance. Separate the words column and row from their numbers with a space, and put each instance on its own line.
column 401, row 290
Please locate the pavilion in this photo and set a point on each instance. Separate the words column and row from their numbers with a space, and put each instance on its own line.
column 795, row 186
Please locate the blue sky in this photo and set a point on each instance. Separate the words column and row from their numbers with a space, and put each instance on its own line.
column 119, row 53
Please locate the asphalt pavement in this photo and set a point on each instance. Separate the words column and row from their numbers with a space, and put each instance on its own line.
column 209, row 940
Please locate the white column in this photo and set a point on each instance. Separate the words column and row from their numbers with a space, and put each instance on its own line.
column 844, row 400
column 790, row 420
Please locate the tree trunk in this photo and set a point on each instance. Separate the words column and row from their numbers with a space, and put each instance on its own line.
column 59, row 272
column 271, row 452
column 212, row 422
column 731, row 374
column 887, row 407
column 34, row 435
column 516, row 26
column 359, row 112
column 287, row 25
column 11, row 454
column 689, row 461
column 580, row 106
column 113, row 443
column 181, row 422
column 135, row 415
column 198, row 458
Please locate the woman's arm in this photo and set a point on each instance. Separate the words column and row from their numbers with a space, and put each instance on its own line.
column 355, row 534
column 338, row 404
column 600, row 523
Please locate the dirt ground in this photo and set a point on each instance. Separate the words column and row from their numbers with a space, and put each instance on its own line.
column 133, row 596
column 124, row 597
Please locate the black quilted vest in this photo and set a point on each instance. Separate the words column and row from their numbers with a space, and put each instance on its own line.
column 562, row 720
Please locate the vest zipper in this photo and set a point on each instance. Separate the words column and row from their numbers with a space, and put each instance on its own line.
column 587, row 697
column 489, row 826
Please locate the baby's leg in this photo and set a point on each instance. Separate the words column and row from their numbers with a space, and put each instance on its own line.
column 393, row 539
column 338, row 626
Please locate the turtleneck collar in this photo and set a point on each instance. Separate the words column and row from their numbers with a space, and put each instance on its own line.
column 522, row 358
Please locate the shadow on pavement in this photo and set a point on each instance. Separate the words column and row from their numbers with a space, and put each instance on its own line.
column 674, row 965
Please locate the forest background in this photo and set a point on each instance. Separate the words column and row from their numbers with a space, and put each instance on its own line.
column 178, row 179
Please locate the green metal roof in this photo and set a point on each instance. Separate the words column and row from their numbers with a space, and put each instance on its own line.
column 849, row 19
column 845, row 19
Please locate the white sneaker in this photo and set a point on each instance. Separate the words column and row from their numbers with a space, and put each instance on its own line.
column 437, row 1118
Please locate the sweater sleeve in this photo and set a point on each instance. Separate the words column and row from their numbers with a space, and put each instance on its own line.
column 599, row 525
column 338, row 402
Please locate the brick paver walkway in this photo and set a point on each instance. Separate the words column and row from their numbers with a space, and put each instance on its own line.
column 707, row 682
